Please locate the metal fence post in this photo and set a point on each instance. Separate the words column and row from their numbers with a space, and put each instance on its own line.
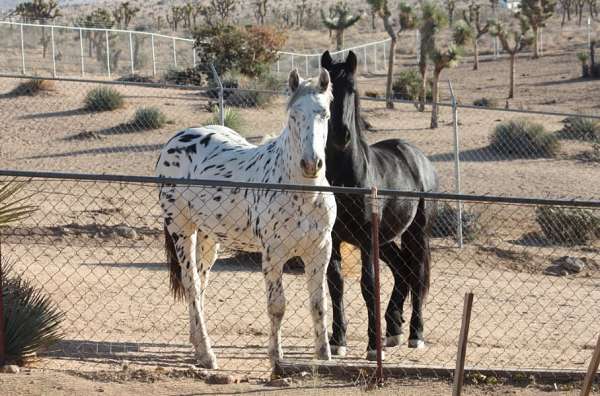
column 375, row 58
column 131, row 53
column 53, row 51
column 193, row 56
column 384, row 55
column 292, row 63
column 365, row 59
column 306, row 65
column 153, row 56
column 22, row 51
column 2, row 337
column 589, row 32
column 375, row 262
column 418, row 45
column 174, row 52
column 459, row 233
column 81, row 52
column 221, row 99
column 278, row 65
column 107, row 53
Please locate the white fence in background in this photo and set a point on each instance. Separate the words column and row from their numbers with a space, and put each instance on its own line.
column 69, row 50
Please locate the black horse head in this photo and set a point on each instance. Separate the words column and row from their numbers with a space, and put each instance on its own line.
column 344, row 121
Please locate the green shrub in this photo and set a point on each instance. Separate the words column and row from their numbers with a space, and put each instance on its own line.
column 232, row 118
column 33, row 87
column 446, row 223
column 254, row 93
column 31, row 319
column 581, row 128
column 148, row 118
column 408, row 85
column 523, row 138
column 569, row 226
column 486, row 102
column 103, row 99
column 189, row 76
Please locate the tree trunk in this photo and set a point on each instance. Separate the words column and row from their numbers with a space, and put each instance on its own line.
column 476, row 54
column 435, row 98
column 511, row 92
column 372, row 21
column 390, row 74
column 536, row 42
column 44, row 43
column 423, row 91
column 339, row 39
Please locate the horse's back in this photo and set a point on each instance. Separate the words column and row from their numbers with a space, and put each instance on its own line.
column 409, row 161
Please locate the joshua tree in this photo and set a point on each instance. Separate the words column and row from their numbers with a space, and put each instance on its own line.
column 432, row 20
column 441, row 59
column 407, row 21
column 513, row 39
column 300, row 10
column 565, row 10
column 341, row 20
column 537, row 12
column 472, row 30
column 101, row 18
column 124, row 13
column 450, row 6
column 176, row 17
column 260, row 11
column 41, row 11
column 223, row 8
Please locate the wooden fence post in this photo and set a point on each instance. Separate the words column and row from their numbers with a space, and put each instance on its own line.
column 586, row 388
column 459, row 372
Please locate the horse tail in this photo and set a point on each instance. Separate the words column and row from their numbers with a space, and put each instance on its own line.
column 415, row 248
column 174, row 267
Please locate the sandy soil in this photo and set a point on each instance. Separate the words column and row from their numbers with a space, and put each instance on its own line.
column 163, row 383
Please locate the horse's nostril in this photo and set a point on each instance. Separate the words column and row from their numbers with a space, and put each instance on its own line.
column 319, row 163
column 302, row 163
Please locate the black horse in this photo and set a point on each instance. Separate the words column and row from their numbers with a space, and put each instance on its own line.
column 389, row 164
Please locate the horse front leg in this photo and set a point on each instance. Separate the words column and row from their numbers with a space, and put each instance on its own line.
column 335, row 282
column 315, row 263
column 391, row 254
column 272, row 267
column 367, row 287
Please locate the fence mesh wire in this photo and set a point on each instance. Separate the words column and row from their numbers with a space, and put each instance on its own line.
column 96, row 249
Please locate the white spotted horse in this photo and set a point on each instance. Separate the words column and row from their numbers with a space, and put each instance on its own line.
column 389, row 164
column 279, row 224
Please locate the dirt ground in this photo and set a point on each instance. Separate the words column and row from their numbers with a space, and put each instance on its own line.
column 158, row 383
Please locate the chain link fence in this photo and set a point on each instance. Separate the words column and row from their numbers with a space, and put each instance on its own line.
column 95, row 247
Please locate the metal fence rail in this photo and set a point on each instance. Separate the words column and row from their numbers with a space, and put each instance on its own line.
column 95, row 247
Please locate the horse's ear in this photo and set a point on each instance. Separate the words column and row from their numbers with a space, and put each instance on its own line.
column 351, row 62
column 294, row 80
column 326, row 60
column 323, row 80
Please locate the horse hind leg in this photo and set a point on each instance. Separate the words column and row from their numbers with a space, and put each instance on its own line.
column 183, row 234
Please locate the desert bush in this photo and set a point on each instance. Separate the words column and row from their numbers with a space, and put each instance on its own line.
column 189, row 76
column 569, row 226
column 33, row 87
column 135, row 78
column 485, row 102
column 251, row 50
column 232, row 118
column 582, row 128
column 103, row 99
column 445, row 224
column 583, row 57
column 523, row 138
column 371, row 94
column 31, row 319
column 148, row 118
column 408, row 85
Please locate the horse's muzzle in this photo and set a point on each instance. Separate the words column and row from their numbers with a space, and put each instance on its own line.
column 311, row 168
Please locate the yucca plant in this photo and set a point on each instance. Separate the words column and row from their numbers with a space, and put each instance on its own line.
column 29, row 319
column 232, row 118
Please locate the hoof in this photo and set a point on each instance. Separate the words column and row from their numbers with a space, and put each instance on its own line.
column 207, row 362
column 418, row 344
column 393, row 341
column 338, row 350
column 372, row 355
column 324, row 353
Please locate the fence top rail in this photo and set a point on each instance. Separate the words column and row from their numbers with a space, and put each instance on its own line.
column 336, row 52
column 298, row 187
column 98, row 29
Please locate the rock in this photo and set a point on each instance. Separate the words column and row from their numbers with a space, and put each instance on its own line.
column 10, row 369
column 572, row 264
column 280, row 382
column 221, row 379
column 126, row 232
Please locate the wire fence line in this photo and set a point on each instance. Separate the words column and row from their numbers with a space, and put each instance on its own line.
column 95, row 247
